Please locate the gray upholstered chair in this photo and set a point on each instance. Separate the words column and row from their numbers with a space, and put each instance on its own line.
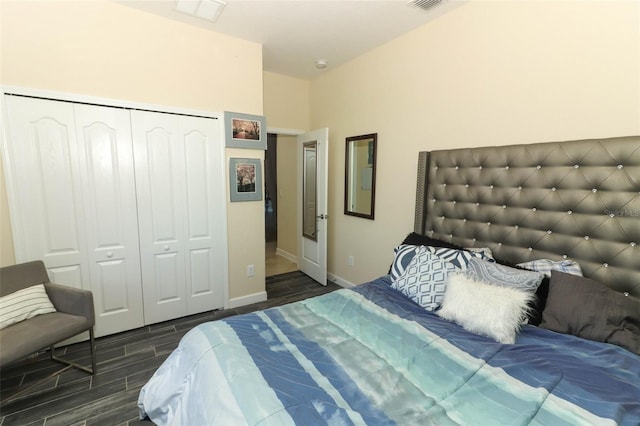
column 74, row 315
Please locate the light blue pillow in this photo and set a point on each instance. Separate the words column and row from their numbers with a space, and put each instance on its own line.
column 495, row 273
column 545, row 266
column 423, row 280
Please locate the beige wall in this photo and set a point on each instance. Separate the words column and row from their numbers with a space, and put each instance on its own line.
column 487, row 73
column 104, row 49
column 286, row 106
column 245, row 225
column 287, row 194
column 286, row 101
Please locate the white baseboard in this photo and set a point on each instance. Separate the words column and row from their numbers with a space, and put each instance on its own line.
column 236, row 302
column 290, row 257
column 340, row 281
column 330, row 277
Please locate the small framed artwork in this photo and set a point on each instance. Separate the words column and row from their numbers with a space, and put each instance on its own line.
column 245, row 131
column 245, row 179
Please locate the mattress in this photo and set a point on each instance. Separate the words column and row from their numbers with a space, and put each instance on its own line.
column 368, row 355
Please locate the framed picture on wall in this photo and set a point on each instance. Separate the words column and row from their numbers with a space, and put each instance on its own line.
column 245, row 131
column 245, row 179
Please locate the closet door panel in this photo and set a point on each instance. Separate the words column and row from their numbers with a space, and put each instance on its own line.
column 45, row 198
column 108, row 184
column 69, row 275
column 168, row 271
column 200, row 271
column 162, row 172
column 205, row 208
column 110, row 280
column 197, row 185
column 160, row 176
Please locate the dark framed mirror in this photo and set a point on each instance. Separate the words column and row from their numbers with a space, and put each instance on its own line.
column 360, row 176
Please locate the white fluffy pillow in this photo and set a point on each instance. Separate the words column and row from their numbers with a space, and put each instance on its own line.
column 486, row 309
column 24, row 304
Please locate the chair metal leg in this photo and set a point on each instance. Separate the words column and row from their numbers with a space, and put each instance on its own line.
column 68, row 363
column 91, row 370
column 93, row 352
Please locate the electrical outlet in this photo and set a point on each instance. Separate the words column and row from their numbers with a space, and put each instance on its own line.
column 251, row 270
column 350, row 261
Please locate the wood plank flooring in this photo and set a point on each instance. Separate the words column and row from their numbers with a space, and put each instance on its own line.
column 125, row 362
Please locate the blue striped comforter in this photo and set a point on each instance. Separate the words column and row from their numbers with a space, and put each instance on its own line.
column 370, row 356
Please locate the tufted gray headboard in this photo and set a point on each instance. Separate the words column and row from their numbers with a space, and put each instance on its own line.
column 578, row 200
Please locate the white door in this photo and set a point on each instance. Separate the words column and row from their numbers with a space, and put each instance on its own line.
column 181, row 213
column 45, row 197
column 206, row 229
column 72, row 200
column 313, row 154
column 105, row 153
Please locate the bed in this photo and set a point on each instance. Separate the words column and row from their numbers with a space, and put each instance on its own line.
column 515, row 300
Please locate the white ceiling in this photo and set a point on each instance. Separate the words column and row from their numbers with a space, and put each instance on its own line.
column 295, row 33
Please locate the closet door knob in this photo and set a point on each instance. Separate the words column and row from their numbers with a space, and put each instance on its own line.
column 109, row 254
column 166, row 247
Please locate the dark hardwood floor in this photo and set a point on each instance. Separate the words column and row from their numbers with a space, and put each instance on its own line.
column 125, row 362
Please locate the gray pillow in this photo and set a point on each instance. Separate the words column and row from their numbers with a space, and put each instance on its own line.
column 585, row 308
column 495, row 273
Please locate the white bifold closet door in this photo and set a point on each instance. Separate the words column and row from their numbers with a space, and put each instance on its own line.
column 73, row 204
column 181, row 210
column 128, row 204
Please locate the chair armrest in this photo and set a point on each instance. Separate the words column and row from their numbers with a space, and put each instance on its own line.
column 71, row 300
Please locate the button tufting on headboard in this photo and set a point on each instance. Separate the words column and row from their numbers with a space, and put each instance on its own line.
column 577, row 200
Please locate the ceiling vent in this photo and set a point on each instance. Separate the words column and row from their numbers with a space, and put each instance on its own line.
column 424, row 4
column 205, row 9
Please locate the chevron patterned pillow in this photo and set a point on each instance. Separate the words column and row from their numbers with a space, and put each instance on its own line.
column 403, row 254
column 423, row 281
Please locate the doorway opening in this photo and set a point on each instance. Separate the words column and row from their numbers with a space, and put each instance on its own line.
column 280, row 205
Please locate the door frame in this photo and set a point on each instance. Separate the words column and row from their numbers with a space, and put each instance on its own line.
column 280, row 131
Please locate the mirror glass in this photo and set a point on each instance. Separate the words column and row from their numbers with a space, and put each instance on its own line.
column 360, row 175
column 309, row 209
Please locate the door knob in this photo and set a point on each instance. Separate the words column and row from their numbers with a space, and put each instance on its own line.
column 109, row 254
column 166, row 247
